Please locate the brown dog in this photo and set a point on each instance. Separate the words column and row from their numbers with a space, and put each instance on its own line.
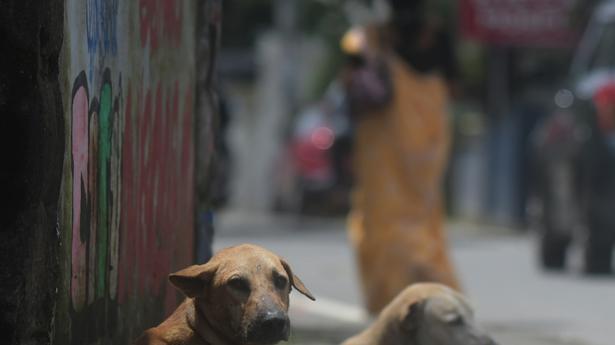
column 424, row 314
column 239, row 297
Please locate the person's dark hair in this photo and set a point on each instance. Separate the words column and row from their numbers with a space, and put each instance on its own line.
column 407, row 16
column 408, row 22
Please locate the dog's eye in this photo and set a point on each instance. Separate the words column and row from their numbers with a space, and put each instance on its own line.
column 239, row 283
column 455, row 320
column 280, row 281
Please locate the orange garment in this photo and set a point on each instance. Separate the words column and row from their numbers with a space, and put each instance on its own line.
column 396, row 223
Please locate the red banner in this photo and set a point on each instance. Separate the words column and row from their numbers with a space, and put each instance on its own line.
column 518, row 22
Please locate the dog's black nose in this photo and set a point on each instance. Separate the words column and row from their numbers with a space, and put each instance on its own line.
column 269, row 328
column 274, row 323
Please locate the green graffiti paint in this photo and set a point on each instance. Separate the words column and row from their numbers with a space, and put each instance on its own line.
column 104, row 153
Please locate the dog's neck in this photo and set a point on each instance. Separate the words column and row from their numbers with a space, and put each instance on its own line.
column 199, row 324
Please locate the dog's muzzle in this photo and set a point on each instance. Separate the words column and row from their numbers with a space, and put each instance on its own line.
column 268, row 328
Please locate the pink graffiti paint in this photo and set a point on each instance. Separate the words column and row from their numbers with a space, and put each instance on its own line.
column 92, row 200
column 80, row 190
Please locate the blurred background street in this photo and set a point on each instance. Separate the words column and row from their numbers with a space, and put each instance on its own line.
column 529, row 187
column 514, row 299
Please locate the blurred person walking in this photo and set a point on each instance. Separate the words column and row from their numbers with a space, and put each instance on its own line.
column 396, row 82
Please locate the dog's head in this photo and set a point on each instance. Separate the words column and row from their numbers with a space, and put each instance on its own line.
column 243, row 293
column 437, row 315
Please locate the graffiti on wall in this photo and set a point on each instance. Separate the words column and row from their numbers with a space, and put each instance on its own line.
column 160, row 20
column 101, row 30
column 157, row 184
column 101, row 26
column 95, row 192
column 132, row 188
column 130, row 184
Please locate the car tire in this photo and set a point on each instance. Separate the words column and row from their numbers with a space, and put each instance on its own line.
column 600, row 235
column 553, row 250
column 598, row 257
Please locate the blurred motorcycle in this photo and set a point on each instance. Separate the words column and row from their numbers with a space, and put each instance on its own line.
column 313, row 172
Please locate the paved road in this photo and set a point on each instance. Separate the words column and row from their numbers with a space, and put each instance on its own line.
column 517, row 302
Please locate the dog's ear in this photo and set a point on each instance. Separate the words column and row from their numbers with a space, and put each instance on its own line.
column 412, row 316
column 295, row 281
column 193, row 280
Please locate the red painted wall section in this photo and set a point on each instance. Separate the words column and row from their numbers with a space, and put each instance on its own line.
column 157, row 192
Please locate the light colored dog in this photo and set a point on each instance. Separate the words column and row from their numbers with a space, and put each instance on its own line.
column 424, row 314
column 239, row 297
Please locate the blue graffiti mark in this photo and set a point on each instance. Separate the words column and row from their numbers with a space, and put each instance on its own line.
column 101, row 24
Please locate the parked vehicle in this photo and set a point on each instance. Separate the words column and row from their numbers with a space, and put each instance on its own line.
column 575, row 155
column 313, row 173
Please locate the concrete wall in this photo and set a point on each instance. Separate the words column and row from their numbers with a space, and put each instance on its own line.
column 107, row 182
